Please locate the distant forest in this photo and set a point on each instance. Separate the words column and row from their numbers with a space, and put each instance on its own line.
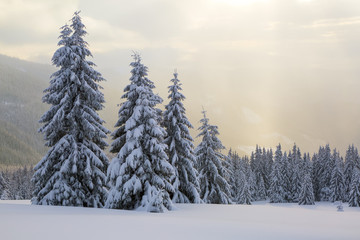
column 266, row 175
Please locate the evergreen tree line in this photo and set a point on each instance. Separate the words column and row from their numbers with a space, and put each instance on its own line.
column 16, row 184
column 156, row 163
column 285, row 177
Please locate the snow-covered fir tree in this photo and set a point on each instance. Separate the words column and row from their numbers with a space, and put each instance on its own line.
column 244, row 194
column 324, row 171
column 337, row 186
column 2, row 183
column 213, row 186
column 306, row 196
column 307, row 167
column 354, row 194
column 276, row 191
column 296, row 174
column 316, row 176
column 239, row 178
column 236, row 168
column 351, row 161
column 139, row 176
column 180, row 147
column 261, row 190
column 257, row 166
column 252, row 182
column 15, row 184
column 72, row 173
column 231, row 161
column 286, row 174
column 267, row 168
column 4, row 187
column 19, row 184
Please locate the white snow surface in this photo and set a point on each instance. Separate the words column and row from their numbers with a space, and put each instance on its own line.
column 20, row 220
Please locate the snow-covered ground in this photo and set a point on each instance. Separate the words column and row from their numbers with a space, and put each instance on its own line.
column 20, row 220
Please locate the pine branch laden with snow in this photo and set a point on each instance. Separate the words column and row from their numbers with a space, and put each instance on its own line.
column 72, row 173
column 180, row 147
column 213, row 186
column 139, row 176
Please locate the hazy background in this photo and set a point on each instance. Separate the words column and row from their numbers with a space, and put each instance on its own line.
column 266, row 71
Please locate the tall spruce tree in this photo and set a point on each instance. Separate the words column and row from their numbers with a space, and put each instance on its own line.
column 257, row 166
column 4, row 188
column 72, row 173
column 286, row 173
column 236, row 167
column 296, row 174
column 307, row 164
column 276, row 191
column 252, row 182
column 306, row 196
column 243, row 196
column 213, row 186
column 238, row 179
column 139, row 176
column 267, row 168
column 180, row 147
column 326, row 167
column 354, row 194
column 316, row 176
column 351, row 161
column 322, row 168
column 231, row 160
column 337, row 186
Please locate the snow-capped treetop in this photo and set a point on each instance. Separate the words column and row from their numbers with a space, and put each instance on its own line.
column 210, row 132
column 74, row 91
column 138, row 78
column 175, row 120
column 278, row 153
column 174, row 90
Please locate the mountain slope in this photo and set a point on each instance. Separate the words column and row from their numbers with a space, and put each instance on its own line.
column 21, row 89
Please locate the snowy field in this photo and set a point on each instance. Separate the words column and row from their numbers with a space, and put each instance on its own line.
column 20, row 220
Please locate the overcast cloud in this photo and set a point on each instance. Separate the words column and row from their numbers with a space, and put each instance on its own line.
column 267, row 71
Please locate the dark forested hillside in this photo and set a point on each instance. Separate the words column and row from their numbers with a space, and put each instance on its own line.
column 21, row 89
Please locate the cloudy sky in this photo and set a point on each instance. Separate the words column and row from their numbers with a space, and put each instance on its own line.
column 267, row 71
